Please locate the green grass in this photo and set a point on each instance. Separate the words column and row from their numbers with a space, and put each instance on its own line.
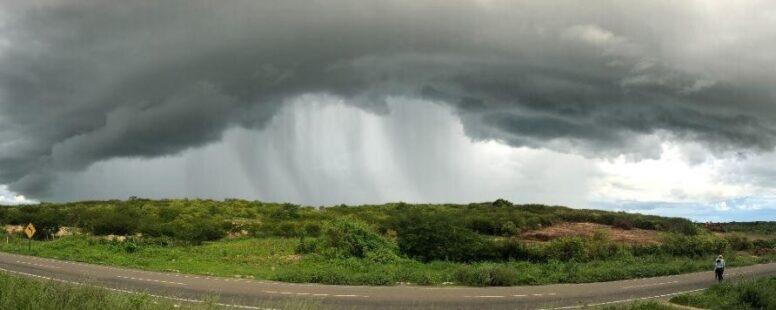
column 273, row 258
column 639, row 305
column 22, row 293
column 743, row 295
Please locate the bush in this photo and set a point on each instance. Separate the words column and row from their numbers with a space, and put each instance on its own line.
column 567, row 249
column 622, row 224
column 428, row 236
column 486, row 275
column 739, row 243
column 349, row 237
column 514, row 249
column 306, row 246
column 697, row 245
column 311, row 229
column 197, row 230
column 115, row 223
column 509, row 229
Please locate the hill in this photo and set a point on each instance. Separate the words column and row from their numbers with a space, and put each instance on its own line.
column 492, row 243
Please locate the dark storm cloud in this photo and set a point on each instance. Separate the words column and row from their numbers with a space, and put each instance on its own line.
column 86, row 81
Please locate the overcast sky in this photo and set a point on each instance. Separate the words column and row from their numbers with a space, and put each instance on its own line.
column 660, row 107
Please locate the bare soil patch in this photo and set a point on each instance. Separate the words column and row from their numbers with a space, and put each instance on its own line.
column 629, row 236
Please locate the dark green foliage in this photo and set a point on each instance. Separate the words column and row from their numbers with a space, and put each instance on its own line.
column 739, row 243
column 748, row 227
column 486, row 275
column 311, row 229
column 114, row 222
column 694, row 245
column 568, row 249
column 198, row 229
column 428, row 236
column 349, row 237
column 445, row 232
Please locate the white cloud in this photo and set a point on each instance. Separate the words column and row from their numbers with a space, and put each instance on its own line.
column 9, row 198
column 674, row 177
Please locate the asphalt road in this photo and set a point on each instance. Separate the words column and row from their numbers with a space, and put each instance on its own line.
column 255, row 294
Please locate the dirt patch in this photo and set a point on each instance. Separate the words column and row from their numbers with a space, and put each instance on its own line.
column 631, row 236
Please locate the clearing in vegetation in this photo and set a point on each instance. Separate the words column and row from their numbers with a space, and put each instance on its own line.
column 626, row 235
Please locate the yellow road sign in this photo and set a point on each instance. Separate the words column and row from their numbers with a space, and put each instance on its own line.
column 29, row 230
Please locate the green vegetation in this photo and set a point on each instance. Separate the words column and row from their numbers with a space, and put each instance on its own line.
column 23, row 293
column 475, row 244
column 30, row 294
column 743, row 295
column 745, row 227
column 640, row 305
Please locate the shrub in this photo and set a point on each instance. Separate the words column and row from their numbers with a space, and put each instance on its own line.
column 197, row 230
column 311, row 229
column 306, row 246
column 567, row 249
column 739, row 243
column 485, row 275
column 349, row 237
column 697, row 245
column 428, row 236
column 116, row 223
column 509, row 229
column 622, row 224
column 514, row 249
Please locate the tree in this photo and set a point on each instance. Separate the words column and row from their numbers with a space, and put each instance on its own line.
column 427, row 236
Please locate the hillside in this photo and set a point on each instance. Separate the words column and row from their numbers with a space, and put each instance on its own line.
column 493, row 243
column 207, row 220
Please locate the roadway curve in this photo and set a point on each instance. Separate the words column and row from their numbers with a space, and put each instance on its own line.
column 254, row 294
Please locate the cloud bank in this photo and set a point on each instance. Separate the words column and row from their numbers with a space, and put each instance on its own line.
column 84, row 82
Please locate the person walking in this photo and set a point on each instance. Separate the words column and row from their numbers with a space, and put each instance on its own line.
column 719, row 268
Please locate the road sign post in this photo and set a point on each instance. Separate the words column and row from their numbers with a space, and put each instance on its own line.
column 29, row 231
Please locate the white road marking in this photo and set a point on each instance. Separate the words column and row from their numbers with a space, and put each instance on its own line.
column 136, row 293
column 520, row 295
column 623, row 300
column 651, row 284
column 150, row 280
column 39, row 265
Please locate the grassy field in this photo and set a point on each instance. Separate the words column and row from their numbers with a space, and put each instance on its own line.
column 746, row 295
column 275, row 259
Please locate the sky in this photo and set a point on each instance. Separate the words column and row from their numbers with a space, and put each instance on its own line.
column 658, row 107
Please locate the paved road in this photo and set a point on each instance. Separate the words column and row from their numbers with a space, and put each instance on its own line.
column 253, row 294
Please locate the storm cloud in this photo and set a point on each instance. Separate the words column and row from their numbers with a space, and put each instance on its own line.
column 87, row 81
